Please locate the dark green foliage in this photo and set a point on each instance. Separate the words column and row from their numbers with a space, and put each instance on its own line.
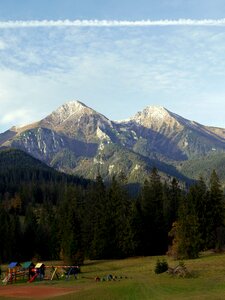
column 18, row 168
column 119, row 207
column 216, row 210
column 189, row 234
column 49, row 215
column 96, row 221
column 153, row 232
column 107, row 221
column 200, row 223
column 161, row 266
column 198, row 198
column 70, row 228
column 30, row 237
column 5, row 249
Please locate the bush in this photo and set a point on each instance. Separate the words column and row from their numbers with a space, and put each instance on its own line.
column 161, row 266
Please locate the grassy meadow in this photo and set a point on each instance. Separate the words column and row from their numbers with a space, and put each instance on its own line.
column 136, row 280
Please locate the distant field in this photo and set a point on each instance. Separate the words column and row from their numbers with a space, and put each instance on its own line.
column 138, row 281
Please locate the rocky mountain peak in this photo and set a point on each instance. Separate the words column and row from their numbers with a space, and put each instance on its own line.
column 155, row 112
column 72, row 107
column 155, row 117
column 65, row 112
column 69, row 109
column 75, row 119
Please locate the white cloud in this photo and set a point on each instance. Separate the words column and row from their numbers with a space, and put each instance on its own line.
column 111, row 23
column 117, row 71
column 3, row 45
column 19, row 117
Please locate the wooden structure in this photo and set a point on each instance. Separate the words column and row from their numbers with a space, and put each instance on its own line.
column 27, row 268
column 11, row 275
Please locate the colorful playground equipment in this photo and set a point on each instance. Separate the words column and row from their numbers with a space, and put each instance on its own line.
column 29, row 272
column 64, row 271
column 37, row 271
column 13, row 269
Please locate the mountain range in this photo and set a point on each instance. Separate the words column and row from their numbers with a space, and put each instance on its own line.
column 76, row 139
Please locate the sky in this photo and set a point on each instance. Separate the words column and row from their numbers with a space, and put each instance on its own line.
column 55, row 51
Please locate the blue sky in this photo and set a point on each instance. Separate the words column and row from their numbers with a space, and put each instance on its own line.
column 110, row 9
column 115, row 70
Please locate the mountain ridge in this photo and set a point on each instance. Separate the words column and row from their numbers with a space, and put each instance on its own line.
column 76, row 139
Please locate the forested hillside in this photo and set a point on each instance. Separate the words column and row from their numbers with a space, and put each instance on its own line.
column 49, row 215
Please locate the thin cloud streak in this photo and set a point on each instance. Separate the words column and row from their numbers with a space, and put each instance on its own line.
column 111, row 23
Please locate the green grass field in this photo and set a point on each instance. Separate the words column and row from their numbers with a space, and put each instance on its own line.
column 139, row 281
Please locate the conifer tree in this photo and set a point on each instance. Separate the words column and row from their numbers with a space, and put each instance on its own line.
column 172, row 197
column 48, row 234
column 198, row 198
column 137, row 227
column 15, row 237
column 154, row 232
column 5, row 245
column 185, row 233
column 216, row 212
column 70, row 221
column 120, row 230
column 97, row 221
column 30, row 234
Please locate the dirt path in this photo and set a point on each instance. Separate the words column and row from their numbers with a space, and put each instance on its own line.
column 34, row 292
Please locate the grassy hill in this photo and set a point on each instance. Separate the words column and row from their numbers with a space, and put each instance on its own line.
column 138, row 280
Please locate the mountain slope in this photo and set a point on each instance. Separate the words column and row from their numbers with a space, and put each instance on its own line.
column 171, row 137
column 78, row 140
column 204, row 167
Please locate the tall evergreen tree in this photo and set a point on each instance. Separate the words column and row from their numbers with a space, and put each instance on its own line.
column 185, row 233
column 48, row 233
column 30, row 234
column 96, row 221
column 198, row 198
column 5, row 245
column 154, row 232
column 71, row 240
column 137, row 227
column 216, row 212
column 119, row 218
column 16, row 237
column 172, row 196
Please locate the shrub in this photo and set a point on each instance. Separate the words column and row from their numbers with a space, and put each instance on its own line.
column 161, row 266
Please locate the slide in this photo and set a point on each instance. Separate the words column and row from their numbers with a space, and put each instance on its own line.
column 6, row 279
column 33, row 278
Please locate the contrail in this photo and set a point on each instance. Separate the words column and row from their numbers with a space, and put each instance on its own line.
column 111, row 23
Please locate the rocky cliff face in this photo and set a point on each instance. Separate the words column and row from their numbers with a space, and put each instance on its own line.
column 77, row 139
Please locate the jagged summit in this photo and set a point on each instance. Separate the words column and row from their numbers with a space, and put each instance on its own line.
column 153, row 111
column 66, row 111
column 154, row 117
column 72, row 106
column 76, row 119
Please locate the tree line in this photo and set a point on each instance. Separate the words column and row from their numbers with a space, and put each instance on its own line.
column 72, row 221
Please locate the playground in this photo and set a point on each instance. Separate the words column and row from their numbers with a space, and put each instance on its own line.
column 36, row 281
column 28, row 272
